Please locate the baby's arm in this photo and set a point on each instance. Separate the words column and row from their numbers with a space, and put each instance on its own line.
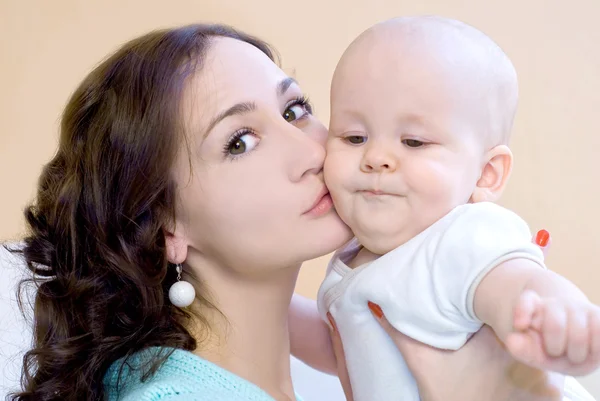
column 310, row 340
column 543, row 318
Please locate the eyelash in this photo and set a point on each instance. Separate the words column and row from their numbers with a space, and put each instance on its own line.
column 303, row 101
column 235, row 137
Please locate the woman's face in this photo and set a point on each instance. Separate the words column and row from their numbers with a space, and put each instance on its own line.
column 253, row 197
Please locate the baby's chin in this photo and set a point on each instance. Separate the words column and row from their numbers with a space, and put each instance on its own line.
column 380, row 242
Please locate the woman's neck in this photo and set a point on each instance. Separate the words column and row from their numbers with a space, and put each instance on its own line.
column 247, row 330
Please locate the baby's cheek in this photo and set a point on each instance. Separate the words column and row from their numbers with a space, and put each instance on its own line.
column 336, row 189
column 435, row 179
column 344, row 208
column 333, row 172
column 334, row 179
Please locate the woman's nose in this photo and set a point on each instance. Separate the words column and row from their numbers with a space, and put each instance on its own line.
column 307, row 153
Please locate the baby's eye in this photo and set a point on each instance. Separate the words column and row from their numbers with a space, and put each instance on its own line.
column 413, row 143
column 356, row 139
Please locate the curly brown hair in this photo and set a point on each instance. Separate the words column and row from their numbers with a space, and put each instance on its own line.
column 96, row 247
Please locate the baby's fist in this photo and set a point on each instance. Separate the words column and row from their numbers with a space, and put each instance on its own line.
column 556, row 334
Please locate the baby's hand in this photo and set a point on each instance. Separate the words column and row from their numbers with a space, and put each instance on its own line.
column 556, row 335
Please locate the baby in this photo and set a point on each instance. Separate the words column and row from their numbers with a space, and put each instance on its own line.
column 421, row 114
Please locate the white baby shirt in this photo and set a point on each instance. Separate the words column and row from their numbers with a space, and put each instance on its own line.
column 426, row 290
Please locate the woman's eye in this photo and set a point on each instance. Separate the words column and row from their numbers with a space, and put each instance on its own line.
column 413, row 143
column 356, row 139
column 295, row 112
column 243, row 144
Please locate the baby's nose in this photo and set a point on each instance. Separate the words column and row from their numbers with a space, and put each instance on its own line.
column 377, row 161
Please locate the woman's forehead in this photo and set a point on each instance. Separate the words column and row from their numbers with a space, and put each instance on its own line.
column 237, row 67
column 232, row 72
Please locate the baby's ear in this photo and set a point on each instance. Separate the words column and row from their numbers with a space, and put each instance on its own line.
column 494, row 175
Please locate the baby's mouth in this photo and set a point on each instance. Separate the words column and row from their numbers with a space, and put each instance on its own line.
column 375, row 193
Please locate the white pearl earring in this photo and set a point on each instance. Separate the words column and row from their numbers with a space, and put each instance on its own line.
column 182, row 293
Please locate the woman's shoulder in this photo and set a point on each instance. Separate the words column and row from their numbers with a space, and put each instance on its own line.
column 182, row 376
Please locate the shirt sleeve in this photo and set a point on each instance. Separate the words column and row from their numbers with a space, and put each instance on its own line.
column 480, row 238
column 430, row 285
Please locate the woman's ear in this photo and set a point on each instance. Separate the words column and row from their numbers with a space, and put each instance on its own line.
column 176, row 244
column 494, row 175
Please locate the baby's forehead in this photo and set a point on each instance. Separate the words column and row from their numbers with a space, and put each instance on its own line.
column 429, row 64
column 381, row 68
column 413, row 39
column 432, row 52
column 402, row 46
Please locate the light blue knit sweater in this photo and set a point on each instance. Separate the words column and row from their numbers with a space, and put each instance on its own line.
column 183, row 377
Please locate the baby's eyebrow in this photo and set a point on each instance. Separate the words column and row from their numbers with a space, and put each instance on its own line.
column 413, row 119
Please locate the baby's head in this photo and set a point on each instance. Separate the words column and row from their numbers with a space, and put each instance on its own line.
column 421, row 113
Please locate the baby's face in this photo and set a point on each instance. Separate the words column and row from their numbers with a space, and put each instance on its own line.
column 403, row 149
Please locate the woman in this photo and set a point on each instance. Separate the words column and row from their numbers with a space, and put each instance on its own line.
column 187, row 147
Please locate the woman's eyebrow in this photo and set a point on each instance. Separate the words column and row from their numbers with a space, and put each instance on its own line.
column 246, row 107
column 283, row 86
column 236, row 109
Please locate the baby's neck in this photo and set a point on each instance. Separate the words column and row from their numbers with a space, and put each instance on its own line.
column 362, row 257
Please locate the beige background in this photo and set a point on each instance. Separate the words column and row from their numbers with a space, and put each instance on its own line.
column 46, row 48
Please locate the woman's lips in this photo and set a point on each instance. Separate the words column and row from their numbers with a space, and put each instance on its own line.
column 322, row 205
